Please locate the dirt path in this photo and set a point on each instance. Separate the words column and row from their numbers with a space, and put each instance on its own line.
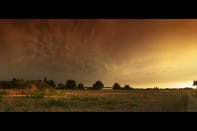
column 192, row 103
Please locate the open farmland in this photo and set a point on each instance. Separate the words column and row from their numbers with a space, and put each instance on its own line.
column 50, row 100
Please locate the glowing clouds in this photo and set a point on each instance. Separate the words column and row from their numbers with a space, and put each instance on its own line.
column 137, row 52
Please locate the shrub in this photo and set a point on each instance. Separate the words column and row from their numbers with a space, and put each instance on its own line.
column 127, row 87
column 116, row 86
column 98, row 85
column 71, row 84
column 81, row 86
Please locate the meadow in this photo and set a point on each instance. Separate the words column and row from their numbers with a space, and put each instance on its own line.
column 51, row 100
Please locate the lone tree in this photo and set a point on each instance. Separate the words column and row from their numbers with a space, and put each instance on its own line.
column 80, row 86
column 127, row 87
column 61, row 86
column 98, row 85
column 116, row 86
column 71, row 84
column 195, row 83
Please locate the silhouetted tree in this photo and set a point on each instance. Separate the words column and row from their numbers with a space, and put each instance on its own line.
column 45, row 79
column 116, row 86
column 71, row 84
column 98, row 85
column 14, row 82
column 156, row 88
column 195, row 83
column 80, row 86
column 18, row 83
column 61, row 86
column 51, row 83
column 127, row 87
column 6, row 84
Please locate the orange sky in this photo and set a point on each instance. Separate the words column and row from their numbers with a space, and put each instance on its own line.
column 139, row 52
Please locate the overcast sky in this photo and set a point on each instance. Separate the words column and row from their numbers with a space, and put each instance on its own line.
column 141, row 53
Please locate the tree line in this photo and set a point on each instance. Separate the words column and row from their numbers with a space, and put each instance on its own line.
column 69, row 84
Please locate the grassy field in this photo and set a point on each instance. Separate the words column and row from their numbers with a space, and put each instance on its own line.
column 95, row 101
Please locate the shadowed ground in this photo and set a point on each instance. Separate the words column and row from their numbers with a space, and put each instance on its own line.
column 192, row 101
column 98, row 101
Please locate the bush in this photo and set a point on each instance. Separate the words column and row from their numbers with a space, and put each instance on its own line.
column 61, row 86
column 98, row 85
column 51, row 83
column 71, row 84
column 116, row 86
column 81, row 86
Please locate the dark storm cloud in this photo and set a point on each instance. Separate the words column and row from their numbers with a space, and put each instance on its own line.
column 91, row 49
column 49, row 46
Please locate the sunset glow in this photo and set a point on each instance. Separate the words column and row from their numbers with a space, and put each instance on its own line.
column 140, row 52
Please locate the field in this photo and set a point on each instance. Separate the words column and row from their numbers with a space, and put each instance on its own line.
column 98, row 101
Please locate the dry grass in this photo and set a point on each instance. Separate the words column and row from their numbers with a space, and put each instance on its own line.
column 27, row 91
column 95, row 101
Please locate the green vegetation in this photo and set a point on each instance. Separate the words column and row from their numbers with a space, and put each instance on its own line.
column 97, row 101
column 38, row 95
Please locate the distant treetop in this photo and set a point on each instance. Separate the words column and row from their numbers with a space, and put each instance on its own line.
column 116, row 86
column 98, row 85
column 195, row 83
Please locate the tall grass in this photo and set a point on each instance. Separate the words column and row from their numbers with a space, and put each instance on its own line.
column 104, row 101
